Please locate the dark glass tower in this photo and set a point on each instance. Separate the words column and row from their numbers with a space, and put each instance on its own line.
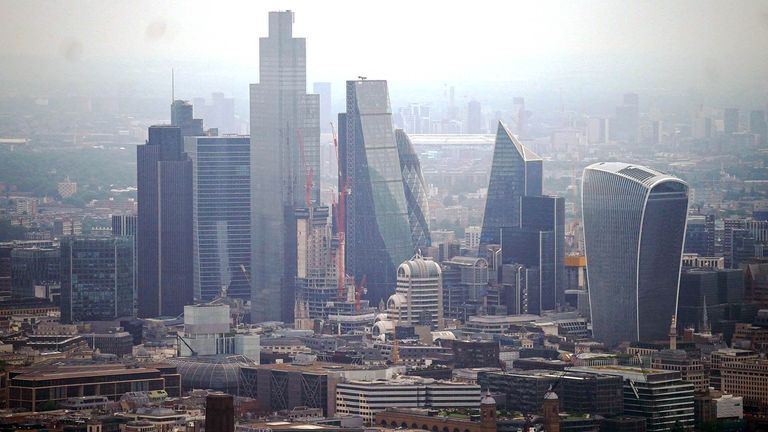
column 415, row 189
column 378, row 235
column 96, row 278
column 538, row 243
column 221, row 216
column 164, row 231
column 515, row 172
column 285, row 153
column 634, row 226
column 181, row 116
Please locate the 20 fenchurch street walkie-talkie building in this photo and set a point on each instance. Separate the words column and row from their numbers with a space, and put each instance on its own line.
column 634, row 227
column 378, row 234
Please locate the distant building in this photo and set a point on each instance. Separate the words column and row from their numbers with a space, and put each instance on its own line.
column 758, row 125
column 634, row 225
column 67, row 188
column 472, row 237
column 164, row 230
column 97, row 278
column 474, row 118
column 465, row 280
column 731, row 121
column 221, row 215
column 700, row 235
column 323, row 90
column 378, row 237
column 181, row 117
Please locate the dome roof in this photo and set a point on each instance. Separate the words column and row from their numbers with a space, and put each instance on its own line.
column 221, row 373
column 550, row 395
column 487, row 399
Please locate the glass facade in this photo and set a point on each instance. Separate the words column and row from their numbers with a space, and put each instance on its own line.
column 415, row 189
column 33, row 266
column 96, row 279
column 634, row 227
column 515, row 172
column 164, row 230
column 221, row 215
column 285, row 148
column 378, row 234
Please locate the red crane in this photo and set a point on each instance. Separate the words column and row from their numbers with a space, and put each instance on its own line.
column 308, row 171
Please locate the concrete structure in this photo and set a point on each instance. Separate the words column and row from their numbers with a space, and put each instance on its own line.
column 634, row 227
column 207, row 332
column 285, row 166
column 316, row 261
column 425, row 419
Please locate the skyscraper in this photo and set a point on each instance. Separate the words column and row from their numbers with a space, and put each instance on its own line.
column 515, row 172
column 323, row 90
column 474, row 117
column 634, row 226
column 378, row 237
column 221, row 215
column 415, row 189
column 285, row 166
column 164, row 231
column 538, row 244
column 731, row 120
column 181, row 116
column 96, row 278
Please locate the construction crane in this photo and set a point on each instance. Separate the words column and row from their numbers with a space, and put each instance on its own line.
column 339, row 215
column 308, row 171
column 359, row 291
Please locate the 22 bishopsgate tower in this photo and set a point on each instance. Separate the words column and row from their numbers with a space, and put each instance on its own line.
column 634, row 226
column 285, row 166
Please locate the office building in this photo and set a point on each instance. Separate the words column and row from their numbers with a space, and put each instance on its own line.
column 285, row 166
column 746, row 378
column 758, row 125
column 515, row 172
column 418, row 298
column 378, row 235
column 465, row 282
column 521, row 289
column 690, row 367
column 415, row 189
column 97, row 278
column 182, row 117
column 634, row 226
column 221, row 215
column 537, row 244
column 660, row 396
column 34, row 266
column 474, row 118
column 367, row 398
column 472, row 238
column 5, row 270
column 220, row 413
column 731, row 121
column 28, row 388
column 164, row 231
column 323, row 90
column 208, row 332
column 700, row 235
column 426, row 419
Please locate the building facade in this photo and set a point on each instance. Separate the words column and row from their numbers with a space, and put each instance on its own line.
column 515, row 172
column 285, row 166
column 97, row 278
column 221, row 215
column 634, row 227
column 164, row 231
column 418, row 298
column 415, row 189
column 378, row 235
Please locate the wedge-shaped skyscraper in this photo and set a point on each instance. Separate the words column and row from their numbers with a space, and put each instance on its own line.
column 634, row 226
column 378, row 234
column 415, row 189
column 515, row 172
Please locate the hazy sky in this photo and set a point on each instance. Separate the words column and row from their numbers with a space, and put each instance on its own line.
column 707, row 44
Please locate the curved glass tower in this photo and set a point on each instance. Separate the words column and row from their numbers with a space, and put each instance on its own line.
column 634, row 226
column 415, row 189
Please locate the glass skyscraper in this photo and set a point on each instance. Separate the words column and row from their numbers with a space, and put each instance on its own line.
column 634, row 227
column 96, row 278
column 164, row 230
column 415, row 189
column 221, row 215
column 515, row 172
column 378, row 234
column 285, row 150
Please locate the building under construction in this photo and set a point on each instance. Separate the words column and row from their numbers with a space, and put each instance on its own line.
column 316, row 260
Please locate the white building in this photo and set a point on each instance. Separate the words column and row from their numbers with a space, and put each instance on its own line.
column 418, row 298
column 472, row 237
column 366, row 398
column 207, row 331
